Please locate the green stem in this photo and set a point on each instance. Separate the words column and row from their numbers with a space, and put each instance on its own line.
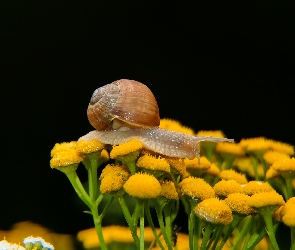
column 245, row 228
column 99, row 199
column 257, row 233
column 254, row 241
column 216, row 236
column 98, row 228
column 292, row 238
column 150, row 221
column 141, row 223
column 78, row 187
column 132, row 167
column 167, row 215
column 128, row 218
column 264, row 165
column 255, row 165
column 269, row 228
column 288, row 178
column 105, row 209
column 236, row 220
column 206, row 236
column 167, row 239
column 250, row 232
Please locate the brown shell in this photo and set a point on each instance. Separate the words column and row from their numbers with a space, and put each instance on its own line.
column 128, row 101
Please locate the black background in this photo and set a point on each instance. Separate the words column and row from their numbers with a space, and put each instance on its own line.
column 225, row 65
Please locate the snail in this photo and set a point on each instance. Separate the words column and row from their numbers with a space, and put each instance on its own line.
column 126, row 109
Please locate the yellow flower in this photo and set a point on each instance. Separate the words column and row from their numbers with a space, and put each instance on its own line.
column 132, row 146
column 153, row 163
column 113, row 178
column 271, row 156
column 175, row 126
column 231, row 174
column 87, row 147
column 111, row 169
column 282, row 147
column 168, row 190
column 213, row 133
column 214, row 211
column 143, row 186
column 271, row 173
column 193, row 166
column 64, row 146
column 255, row 144
column 208, row 147
column 213, row 170
column 238, row 203
column 177, row 166
column 284, row 165
column 291, row 201
column 196, row 188
column 288, row 214
column 264, row 199
column 67, row 158
column 112, row 233
column 278, row 213
column 230, row 148
column 223, row 188
column 245, row 164
column 254, row 187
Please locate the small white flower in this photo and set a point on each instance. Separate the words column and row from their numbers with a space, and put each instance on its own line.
column 33, row 240
column 5, row 245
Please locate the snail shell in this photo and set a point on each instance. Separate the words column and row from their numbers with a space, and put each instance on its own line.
column 126, row 110
column 123, row 104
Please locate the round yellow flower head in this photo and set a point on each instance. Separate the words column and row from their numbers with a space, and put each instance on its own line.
column 278, row 213
column 245, row 165
column 194, row 163
column 133, row 146
column 282, row 147
column 271, row 173
column 196, row 188
column 213, row 170
column 284, row 165
column 238, row 203
column 143, row 186
column 214, row 211
column 153, row 163
column 168, row 190
column 271, row 156
column 231, row 174
column 64, row 146
column 111, row 169
column 255, row 144
column 177, row 166
column 291, row 201
column 110, row 184
column 113, row 178
column 223, row 188
column 213, row 133
column 230, row 149
column 175, row 126
column 67, row 158
column 88, row 147
column 254, row 187
column 264, row 199
column 288, row 215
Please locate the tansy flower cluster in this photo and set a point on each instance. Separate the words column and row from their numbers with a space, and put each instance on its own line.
column 234, row 196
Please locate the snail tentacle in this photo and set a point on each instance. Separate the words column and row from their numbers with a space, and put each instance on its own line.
column 165, row 142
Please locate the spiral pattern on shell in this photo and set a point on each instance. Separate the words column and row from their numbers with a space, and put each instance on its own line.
column 128, row 102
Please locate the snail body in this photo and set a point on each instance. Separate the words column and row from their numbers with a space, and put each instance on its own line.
column 126, row 110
